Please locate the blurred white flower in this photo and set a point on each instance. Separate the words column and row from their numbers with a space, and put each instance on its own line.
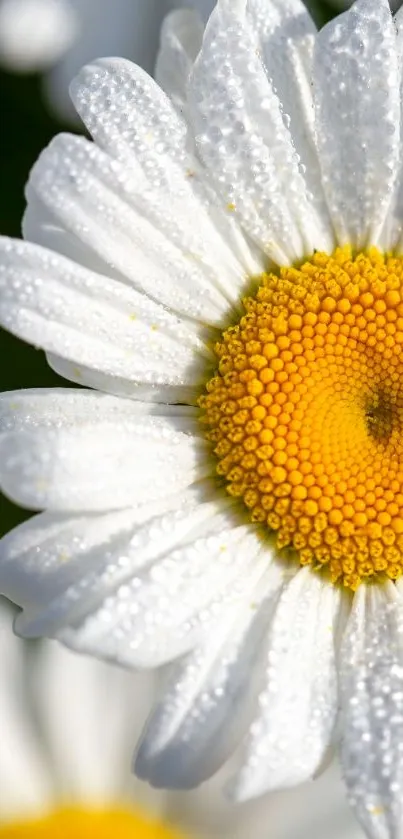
column 67, row 33
column 35, row 33
column 67, row 724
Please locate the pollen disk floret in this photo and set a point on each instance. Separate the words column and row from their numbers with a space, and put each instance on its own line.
column 305, row 412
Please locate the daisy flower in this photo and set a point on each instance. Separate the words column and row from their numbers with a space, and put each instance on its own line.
column 64, row 771
column 221, row 271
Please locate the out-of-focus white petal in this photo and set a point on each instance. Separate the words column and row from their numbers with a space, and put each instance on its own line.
column 82, row 450
column 98, row 322
column 26, row 785
column 371, row 680
column 35, row 33
column 294, row 725
column 242, row 135
column 207, row 707
column 314, row 810
column 90, row 714
column 358, row 119
column 180, row 41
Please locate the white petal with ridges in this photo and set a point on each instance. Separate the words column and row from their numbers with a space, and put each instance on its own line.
column 207, row 707
column 73, row 697
column 59, row 567
column 164, row 610
column 358, row 119
column 79, row 450
column 286, row 35
column 96, row 199
column 25, row 782
column 244, row 141
column 371, row 681
column 45, row 555
column 98, row 322
column 132, row 118
column 295, row 722
column 392, row 235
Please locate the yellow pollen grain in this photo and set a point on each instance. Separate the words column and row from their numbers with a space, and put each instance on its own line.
column 305, row 412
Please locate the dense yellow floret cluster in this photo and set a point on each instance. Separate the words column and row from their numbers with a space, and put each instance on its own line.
column 305, row 411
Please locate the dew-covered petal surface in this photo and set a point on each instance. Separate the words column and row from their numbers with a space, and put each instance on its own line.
column 181, row 40
column 242, row 134
column 103, row 205
column 286, row 35
column 295, row 720
column 356, row 87
column 392, row 235
column 182, row 570
column 139, row 586
column 82, row 450
column 60, row 568
column 133, row 120
column 207, row 706
column 59, row 561
column 52, row 552
column 372, row 710
column 93, row 320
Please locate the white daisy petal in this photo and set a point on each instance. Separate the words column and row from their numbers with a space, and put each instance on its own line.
column 392, row 236
column 91, row 196
column 181, row 40
column 74, row 696
column 164, row 610
column 242, row 135
column 358, row 118
column 25, row 783
column 372, row 718
column 97, row 322
column 51, row 564
column 295, row 722
column 79, row 450
column 43, row 556
column 41, row 226
column 207, row 706
column 286, row 40
column 155, row 138
column 82, row 375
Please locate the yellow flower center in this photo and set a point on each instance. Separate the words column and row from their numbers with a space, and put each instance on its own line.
column 305, row 412
column 83, row 824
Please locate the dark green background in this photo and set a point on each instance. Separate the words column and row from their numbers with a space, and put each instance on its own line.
column 26, row 128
